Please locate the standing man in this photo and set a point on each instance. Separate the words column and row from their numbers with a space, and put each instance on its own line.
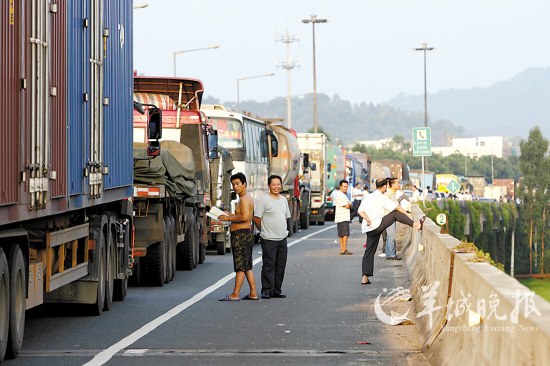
column 270, row 215
column 342, row 215
column 242, row 239
column 356, row 197
column 391, row 252
column 375, row 222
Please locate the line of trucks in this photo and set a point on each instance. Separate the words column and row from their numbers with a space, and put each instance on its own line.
column 105, row 176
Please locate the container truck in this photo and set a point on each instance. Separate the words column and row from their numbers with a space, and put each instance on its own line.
column 172, row 190
column 65, row 157
column 314, row 146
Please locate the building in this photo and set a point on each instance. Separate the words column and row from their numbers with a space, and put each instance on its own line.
column 475, row 147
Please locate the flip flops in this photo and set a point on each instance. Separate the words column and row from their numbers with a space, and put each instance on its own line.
column 228, row 298
column 248, row 297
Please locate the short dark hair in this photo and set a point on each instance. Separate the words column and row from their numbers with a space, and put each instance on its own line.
column 274, row 176
column 381, row 182
column 392, row 180
column 342, row 182
column 240, row 176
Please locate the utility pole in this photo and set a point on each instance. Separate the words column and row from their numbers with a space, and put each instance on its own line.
column 425, row 48
column 288, row 65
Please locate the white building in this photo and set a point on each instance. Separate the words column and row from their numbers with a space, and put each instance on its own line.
column 378, row 144
column 474, row 147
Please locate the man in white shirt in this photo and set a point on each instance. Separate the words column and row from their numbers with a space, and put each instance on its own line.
column 375, row 222
column 342, row 215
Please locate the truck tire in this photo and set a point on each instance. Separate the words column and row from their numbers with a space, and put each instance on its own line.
column 220, row 247
column 167, row 250
column 156, row 261
column 120, row 286
column 18, row 294
column 4, row 304
column 97, row 308
column 289, row 226
column 110, row 272
column 188, row 248
column 202, row 253
column 173, row 244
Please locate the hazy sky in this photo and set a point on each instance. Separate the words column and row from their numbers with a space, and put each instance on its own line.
column 364, row 52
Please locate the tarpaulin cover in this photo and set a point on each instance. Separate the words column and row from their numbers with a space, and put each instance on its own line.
column 174, row 168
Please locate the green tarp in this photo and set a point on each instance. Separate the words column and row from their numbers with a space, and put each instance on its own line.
column 174, row 168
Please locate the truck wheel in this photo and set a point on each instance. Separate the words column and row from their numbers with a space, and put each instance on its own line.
column 156, row 260
column 196, row 245
column 191, row 238
column 289, row 226
column 97, row 308
column 4, row 304
column 110, row 272
column 167, row 250
column 202, row 253
column 18, row 294
column 172, row 244
column 220, row 246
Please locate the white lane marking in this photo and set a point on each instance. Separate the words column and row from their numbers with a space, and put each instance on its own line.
column 104, row 356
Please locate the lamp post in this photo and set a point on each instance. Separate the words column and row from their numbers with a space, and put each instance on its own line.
column 425, row 48
column 313, row 20
column 246, row 78
column 192, row 50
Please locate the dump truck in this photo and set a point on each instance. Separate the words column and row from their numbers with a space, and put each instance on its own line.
column 172, row 190
column 65, row 158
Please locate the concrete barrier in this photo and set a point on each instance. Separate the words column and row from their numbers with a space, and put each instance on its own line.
column 470, row 313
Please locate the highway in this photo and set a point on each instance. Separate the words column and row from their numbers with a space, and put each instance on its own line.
column 327, row 318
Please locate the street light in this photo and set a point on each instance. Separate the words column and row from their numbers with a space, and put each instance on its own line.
column 192, row 50
column 425, row 48
column 313, row 20
column 246, row 78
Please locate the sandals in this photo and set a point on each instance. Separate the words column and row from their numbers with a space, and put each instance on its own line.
column 346, row 252
column 229, row 298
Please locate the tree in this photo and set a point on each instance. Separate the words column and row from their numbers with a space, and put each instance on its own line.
column 535, row 187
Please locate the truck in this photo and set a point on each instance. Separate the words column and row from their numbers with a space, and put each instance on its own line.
column 336, row 171
column 286, row 164
column 314, row 179
column 172, row 190
column 66, row 213
column 422, row 183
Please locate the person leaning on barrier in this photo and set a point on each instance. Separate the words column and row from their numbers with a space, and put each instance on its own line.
column 375, row 222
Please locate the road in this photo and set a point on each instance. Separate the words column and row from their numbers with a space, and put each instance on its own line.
column 327, row 318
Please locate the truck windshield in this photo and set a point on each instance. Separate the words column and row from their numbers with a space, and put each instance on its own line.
column 230, row 133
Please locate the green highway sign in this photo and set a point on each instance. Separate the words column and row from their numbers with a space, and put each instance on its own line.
column 453, row 187
column 422, row 141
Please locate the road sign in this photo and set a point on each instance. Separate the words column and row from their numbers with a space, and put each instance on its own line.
column 422, row 141
column 441, row 219
column 453, row 187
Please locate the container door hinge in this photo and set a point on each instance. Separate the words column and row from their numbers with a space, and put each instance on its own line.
column 23, row 83
column 53, row 8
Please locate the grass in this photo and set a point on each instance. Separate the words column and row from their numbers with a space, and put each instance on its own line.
column 540, row 286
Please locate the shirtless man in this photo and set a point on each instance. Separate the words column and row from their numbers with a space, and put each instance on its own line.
column 242, row 240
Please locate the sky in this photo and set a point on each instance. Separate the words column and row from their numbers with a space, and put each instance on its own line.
column 364, row 53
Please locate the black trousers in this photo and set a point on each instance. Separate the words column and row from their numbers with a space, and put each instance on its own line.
column 274, row 255
column 373, row 237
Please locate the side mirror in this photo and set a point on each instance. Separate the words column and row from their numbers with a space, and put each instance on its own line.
column 329, row 167
column 305, row 162
column 213, row 144
column 313, row 167
column 154, row 124
column 153, row 148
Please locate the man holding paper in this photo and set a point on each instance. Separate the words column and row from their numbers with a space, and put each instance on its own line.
column 242, row 239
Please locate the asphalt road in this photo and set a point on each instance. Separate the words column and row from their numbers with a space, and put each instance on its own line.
column 328, row 317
